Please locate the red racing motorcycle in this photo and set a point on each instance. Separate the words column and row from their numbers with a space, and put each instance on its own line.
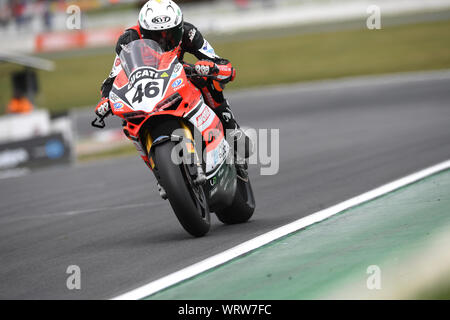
column 163, row 111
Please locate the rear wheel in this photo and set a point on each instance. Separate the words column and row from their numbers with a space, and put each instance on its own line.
column 243, row 206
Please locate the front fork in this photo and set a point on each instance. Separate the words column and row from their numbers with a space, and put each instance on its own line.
column 186, row 142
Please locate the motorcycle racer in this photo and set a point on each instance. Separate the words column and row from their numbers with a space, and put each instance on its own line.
column 162, row 21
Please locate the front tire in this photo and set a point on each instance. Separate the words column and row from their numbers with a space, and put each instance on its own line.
column 188, row 201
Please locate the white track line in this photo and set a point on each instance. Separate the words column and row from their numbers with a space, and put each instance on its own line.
column 270, row 236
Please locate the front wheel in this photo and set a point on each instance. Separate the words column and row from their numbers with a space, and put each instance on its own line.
column 188, row 200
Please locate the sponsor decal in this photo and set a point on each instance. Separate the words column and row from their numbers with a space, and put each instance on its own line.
column 220, row 153
column 208, row 50
column 146, row 73
column 164, row 75
column 215, row 158
column 161, row 19
column 113, row 97
column 117, row 62
column 176, row 71
column 177, row 68
column 191, row 34
column 125, row 48
column 177, row 83
column 203, row 117
column 118, row 105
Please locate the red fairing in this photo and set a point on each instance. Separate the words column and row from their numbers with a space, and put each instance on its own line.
column 158, row 85
column 189, row 93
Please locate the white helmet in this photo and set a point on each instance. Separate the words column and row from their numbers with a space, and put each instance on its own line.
column 162, row 21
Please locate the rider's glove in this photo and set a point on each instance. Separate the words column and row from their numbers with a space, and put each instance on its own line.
column 226, row 72
column 103, row 108
column 206, row 68
column 222, row 70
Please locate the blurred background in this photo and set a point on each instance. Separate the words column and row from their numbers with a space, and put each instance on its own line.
column 54, row 56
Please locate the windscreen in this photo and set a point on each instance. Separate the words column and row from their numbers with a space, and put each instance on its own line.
column 140, row 53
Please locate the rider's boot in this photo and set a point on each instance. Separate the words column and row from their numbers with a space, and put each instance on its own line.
column 242, row 143
column 241, row 169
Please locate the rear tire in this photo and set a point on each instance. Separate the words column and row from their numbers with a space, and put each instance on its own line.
column 187, row 200
column 243, row 206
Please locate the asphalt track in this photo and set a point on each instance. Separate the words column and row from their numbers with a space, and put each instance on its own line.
column 337, row 139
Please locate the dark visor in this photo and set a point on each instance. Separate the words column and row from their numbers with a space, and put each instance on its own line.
column 168, row 39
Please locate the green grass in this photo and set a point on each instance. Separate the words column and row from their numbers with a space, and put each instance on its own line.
column 339, row 54
column 292, row 58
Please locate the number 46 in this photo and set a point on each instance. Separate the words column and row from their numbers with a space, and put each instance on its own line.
column 151, row 90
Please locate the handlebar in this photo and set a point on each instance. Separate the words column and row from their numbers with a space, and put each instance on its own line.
column 99, row 122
